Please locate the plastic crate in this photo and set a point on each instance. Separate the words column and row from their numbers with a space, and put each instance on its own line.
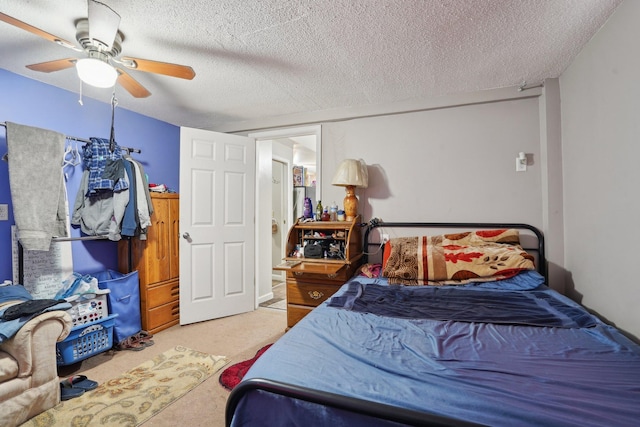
column 85, row 341
column 88, row 308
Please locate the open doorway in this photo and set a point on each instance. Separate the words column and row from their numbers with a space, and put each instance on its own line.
column 279, row 210
column 277, row 145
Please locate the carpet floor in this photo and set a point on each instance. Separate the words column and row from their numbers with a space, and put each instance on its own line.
column 137, row 395
column 237, row 337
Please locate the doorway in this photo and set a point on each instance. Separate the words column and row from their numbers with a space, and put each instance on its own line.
column 276, row 145
column 279, row 201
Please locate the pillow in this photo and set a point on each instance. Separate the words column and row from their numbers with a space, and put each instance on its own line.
column 459, row 258
column 510, row 236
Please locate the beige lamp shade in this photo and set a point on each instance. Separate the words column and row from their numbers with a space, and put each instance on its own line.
column 351, row 173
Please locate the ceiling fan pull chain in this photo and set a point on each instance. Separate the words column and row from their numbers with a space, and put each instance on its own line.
column 80, row 99
column 112, row 139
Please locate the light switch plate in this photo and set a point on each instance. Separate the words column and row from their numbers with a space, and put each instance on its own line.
column 4, row 212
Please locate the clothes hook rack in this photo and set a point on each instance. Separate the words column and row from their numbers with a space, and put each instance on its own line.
column 73, row 138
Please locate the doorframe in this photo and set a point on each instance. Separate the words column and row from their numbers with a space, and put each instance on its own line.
column 287, row 202
column 263, row 227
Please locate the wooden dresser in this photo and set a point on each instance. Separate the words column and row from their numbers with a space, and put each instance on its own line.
column 157, row 261
column 313, row 280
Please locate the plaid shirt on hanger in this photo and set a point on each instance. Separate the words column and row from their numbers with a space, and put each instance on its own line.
column 95, row 157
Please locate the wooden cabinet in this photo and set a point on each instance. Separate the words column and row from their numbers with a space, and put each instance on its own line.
column 157, row 260
column 313, row 280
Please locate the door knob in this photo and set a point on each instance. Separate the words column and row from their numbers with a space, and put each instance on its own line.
column 186, row 236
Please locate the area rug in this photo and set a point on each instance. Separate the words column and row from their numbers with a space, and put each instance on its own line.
column 231, row 376
column 137, row 395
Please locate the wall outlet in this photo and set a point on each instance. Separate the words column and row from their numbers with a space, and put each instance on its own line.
column 4, row 212
column 385, row 238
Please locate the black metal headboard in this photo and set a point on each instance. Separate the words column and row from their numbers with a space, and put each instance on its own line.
column 538, row 249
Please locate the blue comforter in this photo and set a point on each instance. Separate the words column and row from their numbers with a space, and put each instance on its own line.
column 488, row 373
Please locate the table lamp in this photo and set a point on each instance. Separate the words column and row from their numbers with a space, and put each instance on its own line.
column 351, row 173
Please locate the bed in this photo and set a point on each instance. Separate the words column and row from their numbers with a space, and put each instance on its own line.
column 469, row 351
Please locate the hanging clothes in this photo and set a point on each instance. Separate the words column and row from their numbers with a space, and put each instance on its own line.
column 102, row 213
column 130, row 222
column 36, row 184
column 96, row 156
column 144, row 208
column 103, row 195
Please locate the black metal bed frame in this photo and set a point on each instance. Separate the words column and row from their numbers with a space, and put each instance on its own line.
column 365, row 407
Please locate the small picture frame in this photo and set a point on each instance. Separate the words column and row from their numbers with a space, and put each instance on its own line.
column 298, row 176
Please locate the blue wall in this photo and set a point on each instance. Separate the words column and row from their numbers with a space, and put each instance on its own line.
column 32, row 103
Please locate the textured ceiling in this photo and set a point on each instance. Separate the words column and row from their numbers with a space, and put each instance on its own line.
column 273, row 58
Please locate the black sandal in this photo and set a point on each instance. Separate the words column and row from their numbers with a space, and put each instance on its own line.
column 67, row 393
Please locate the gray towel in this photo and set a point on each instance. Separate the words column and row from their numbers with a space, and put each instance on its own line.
column 37, row 186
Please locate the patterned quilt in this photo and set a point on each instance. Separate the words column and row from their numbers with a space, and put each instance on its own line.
column 453, row 259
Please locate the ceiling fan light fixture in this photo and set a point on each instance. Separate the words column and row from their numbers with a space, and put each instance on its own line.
column 96, row 72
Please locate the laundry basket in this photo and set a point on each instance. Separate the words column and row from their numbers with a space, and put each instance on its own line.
column 88, row 308
column 86, row 340
column 124, row 300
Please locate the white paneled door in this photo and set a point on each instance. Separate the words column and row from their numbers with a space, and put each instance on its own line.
column 217, row 196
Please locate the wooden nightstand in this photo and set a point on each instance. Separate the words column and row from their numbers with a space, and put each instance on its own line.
column 313, row 280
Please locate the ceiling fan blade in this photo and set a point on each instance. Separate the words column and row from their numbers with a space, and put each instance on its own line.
column 103, row 23
column 131, row 85
column 166, row 68
column 37, row 31
column 50, row 66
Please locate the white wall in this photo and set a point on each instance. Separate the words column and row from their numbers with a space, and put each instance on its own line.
column 601, row 147
column 449, row 164
column 456, row 162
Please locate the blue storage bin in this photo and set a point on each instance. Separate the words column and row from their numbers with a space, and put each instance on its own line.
column 124, row 300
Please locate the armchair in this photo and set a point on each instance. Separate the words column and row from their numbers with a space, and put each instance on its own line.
column 29, row 382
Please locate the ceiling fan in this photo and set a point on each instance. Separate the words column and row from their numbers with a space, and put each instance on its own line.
column 100, row 39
